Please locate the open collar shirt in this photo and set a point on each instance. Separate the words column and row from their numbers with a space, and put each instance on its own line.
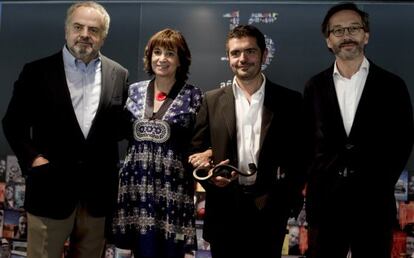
column 249, row 125
column 84, row 83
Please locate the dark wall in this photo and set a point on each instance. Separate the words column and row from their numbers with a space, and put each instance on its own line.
column 31, row 30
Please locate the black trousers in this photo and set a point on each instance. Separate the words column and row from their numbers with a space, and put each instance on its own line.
column 353, row 218
column 365, row 231
column 253, row 233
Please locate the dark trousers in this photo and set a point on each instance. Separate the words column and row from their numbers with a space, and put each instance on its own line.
column 250, row 248
column 364, row 238
column 350, row 218
column 252, row 233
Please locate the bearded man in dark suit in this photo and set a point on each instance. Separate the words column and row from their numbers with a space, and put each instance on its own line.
column 252, row 121
column 361, row 129
column 62, row 124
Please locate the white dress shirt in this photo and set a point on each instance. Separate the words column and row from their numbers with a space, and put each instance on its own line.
column 349, row 92
column 84, row 82
column 249, row 125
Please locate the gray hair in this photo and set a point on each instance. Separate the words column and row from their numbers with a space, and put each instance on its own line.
column 93, row 5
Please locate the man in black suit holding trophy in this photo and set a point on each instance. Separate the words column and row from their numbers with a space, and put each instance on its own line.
column 251, row 124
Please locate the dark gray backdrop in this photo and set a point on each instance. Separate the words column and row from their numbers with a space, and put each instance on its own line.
column 31, row 30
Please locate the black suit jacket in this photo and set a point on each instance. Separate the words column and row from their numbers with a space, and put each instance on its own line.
column 281, row 146
column 40, row 120
column 374, row 154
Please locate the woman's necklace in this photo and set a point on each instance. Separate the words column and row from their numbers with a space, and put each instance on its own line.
column 161, row 96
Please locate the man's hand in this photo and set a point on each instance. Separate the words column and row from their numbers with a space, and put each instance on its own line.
column 38, row 161
column 220, row 181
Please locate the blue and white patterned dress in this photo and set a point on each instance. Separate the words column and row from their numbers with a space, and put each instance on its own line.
column 155, row 211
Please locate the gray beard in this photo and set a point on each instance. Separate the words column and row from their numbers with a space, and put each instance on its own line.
column 348, row 55
column 83, row 53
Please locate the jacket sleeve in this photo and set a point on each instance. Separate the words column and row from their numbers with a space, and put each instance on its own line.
column 19, row 118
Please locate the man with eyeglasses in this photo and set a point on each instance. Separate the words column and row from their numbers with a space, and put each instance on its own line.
column 360, row 125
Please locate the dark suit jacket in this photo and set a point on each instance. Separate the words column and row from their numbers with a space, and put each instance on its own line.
column 374, row 153
column 281, row 146
column 40, row 120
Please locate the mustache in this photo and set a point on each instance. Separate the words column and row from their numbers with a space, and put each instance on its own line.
column 245, row 64
column 84, row 40
column 347, row 42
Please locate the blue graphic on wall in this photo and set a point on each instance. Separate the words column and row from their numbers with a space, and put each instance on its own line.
column 256, row 18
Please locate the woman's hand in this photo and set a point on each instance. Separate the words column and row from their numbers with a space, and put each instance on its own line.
column 201, row 158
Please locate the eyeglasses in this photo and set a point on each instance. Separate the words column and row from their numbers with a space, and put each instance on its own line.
column 352, row 30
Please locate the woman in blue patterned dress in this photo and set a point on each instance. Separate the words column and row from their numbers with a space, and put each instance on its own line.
column 155, row 210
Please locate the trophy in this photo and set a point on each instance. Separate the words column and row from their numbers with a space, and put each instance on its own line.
column 203, row 172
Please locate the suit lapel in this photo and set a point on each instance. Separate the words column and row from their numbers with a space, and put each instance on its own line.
column 107, row 83
column 364, row 100
column 228, row 111
column 333, row 103
column 107, row 87
column 267, row 114
column 61, row 88
column 62, row 94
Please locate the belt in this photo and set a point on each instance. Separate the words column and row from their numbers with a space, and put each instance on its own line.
column 345, row 173
column 248, row 189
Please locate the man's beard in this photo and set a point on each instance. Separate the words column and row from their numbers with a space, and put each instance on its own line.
column 82, row 52
column 348, row 54
column 251, row 73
